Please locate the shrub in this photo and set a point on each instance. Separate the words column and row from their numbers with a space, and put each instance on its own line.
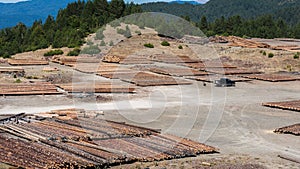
column 115, row 23
column 165, row 43
column 149, row 45
column 5, row 55
column 89, row 43
column 289, row 67
column 126, row 33
column 180, row 47
column 296, row 56
column 111, row 43
column 18, row 81
column 264, row 53
column 99, row 34
column 54, row 52
column 74, row 52
column 120, row 31
column 138, row 32
column 141, row 26
column 72, row 46
column 270, row 55
column 226, row 34
column 91, row 50
column 102, row 43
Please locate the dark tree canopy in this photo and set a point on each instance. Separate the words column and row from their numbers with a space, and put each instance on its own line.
column 69, row 28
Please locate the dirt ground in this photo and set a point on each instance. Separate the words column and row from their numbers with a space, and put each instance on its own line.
column 239, row 125
column 231, row 119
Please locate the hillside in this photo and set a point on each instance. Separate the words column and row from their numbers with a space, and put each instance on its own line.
column 286, row 9
column 29, row 11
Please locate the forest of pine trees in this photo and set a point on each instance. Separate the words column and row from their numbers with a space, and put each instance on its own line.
column 265, row 26
column 69, row 28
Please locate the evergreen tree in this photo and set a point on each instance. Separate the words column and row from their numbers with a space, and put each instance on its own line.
column 116, row 8
column 203, row 25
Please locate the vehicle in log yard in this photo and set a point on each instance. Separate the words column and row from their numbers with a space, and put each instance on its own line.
column 224, row 82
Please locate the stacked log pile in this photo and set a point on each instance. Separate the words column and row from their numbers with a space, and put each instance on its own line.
column 173, row 59
column 204, row 65
column 19, row 71
column 38, row 88
column 151, row 79
column 232, row 71
column 218, row 39
column 26, row 154
column 239, row 42
column 102, row 87
column 287, row 47
column 131, row 59
column 289, row 105
column 141, row 78
column 293, row 129
column 116, row 73
column 73, row 60
column 86, row 142
column 273, row 77
column 112, row 59
column 176, row 71
column 95, row 67
column 27, row 62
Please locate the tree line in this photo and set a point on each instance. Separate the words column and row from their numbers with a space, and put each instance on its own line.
column 68, row 29
column 265, row 26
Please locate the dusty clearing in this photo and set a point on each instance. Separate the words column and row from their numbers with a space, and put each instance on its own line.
column 165, row 88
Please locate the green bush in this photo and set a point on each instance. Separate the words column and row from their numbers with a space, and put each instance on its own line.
column 74, row 52
column 54, row 52
column 138, row 32
column 180, row 47
column 91, row 50
column 111, row 43
column 72, row 46
column 6, row 55
column 270, row 55
column 296, row 56
column 115, row 23
column 89, row 43
column 120, row 31
column 99, row 34
column 126, row 33
column 102, row 43
column 149, row 45
column 264, row 53
column 18, row 81
column 165, row 43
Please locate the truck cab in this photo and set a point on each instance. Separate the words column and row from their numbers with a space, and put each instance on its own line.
column 224, row 82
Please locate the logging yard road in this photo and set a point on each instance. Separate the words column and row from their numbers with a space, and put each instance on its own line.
column 244, row 128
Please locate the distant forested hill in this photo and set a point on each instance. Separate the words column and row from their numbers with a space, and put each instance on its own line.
column 29, row 11
column 72, row 23
column 288, row 10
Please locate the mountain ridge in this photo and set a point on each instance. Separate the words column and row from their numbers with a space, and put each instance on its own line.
column 29, row 11
column 214, row 9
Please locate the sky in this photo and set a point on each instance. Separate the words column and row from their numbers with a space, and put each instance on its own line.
column 136, row 1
